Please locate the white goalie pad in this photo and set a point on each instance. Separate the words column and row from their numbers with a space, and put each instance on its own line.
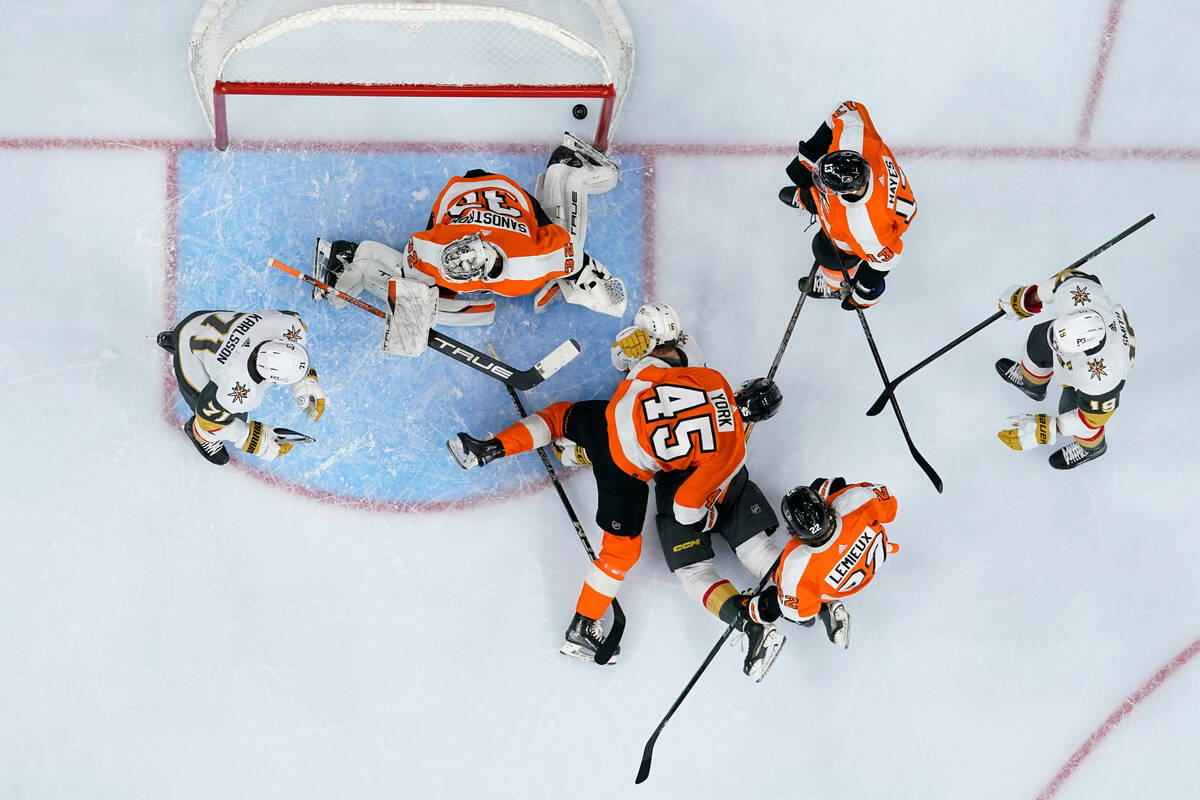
column 412, row 307
column 374, row 265
column 563, row 188
column 595, row 288
column 463, row 311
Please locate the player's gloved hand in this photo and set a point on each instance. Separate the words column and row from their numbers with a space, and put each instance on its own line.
column 260, row 441
column 764, row 606
column 631, row 345
column 309, row 396
column 855, row 296
column 1020, row 302
column 1027, row 431
column 570, row 453
column 710, row 519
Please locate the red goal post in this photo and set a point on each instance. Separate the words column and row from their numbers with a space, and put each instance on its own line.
column 494, row 48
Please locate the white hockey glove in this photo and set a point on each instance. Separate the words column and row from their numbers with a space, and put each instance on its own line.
column 570, row 453
column 260, row 441
column 1027, row 431
column 309, row 396
column 412, row 307
column 1020, row 302
column 631, row 345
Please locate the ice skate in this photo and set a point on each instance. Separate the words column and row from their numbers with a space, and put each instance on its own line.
column 818, row 289
column 330, row 260
column 837, row 623
column 1011, row 372
column 598, row 170
column 213, row 452
column 166, row 340
column 1075, row 454
column 470, row 452
column 584, row 638
column 763, row 643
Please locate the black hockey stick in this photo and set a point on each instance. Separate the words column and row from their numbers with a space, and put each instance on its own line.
column 787, row 334
column 880, row 401
column 521, row 379
column 912, row 448
column 605, row 652
column 648, row 751
column 289, row 436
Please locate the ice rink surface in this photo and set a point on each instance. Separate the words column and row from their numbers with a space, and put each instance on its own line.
column 359, row 620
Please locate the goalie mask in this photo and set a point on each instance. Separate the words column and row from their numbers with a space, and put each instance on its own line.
column 841, row 172
column 1077, row 332
column 281, row 362
column 469, row 259
column 758, row 399
column 809, row 518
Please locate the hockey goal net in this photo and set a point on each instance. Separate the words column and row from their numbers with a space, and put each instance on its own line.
column 492, row 48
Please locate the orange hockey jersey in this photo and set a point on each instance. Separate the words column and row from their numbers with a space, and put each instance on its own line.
column 870, row 227
column 677, row 418
column 808, row 576
column 504, row 215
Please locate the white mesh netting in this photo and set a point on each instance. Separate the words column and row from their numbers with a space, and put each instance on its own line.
column 500, row 42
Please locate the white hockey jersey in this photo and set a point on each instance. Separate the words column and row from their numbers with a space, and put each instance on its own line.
column 214, row 355
column 1102, row 373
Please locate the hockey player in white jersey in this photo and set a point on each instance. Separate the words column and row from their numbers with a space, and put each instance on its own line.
column 225, row 361
column 1089, row 345
column 487, row 236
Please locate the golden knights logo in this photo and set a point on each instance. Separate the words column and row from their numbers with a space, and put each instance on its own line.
column 239, row 393
column 1080, row 296
column 292, row 334
column 1096, row 368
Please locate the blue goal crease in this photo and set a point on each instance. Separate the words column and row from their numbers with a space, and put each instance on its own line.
column 382, row 438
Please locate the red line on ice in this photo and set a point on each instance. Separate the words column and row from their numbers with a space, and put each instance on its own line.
column 1099, row 72
column 1117, row 717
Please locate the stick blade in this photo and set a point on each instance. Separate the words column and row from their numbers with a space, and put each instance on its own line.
column 644, row 769
column 555, row 360
column 879, row 403
column 608, row 647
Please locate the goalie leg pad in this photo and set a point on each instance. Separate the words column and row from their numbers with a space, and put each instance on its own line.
column 412, row 307
column 463, row 311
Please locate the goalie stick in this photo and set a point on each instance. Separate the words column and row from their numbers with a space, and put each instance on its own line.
column 522, row 379
column 877, row 406
column 605, row 652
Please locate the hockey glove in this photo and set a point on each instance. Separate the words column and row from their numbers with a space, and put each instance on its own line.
column 1027, row 431
column 855, row 296
column 1020, row 302
column 309, row 395
column 260, row 441
column 569, row 453
column 631, row 345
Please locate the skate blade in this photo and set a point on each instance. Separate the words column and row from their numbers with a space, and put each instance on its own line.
column 774, row 643
column 463, row 458
column 578, row 145
column 578, row 652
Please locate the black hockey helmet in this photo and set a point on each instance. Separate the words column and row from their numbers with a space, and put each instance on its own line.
column 842, row 172
column 809, row 518
column 758, row 399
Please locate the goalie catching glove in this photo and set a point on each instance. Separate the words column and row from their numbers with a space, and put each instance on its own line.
column 1027, row 431
column 309, row 396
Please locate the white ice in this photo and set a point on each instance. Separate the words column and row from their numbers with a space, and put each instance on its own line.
column 173, row 630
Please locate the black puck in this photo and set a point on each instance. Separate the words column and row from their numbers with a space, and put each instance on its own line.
column 579, row 111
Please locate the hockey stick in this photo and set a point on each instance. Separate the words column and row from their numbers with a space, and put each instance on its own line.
column 521, row 379
column 787, row 334
column 605, row 652
column 912, row 448
column 880, row 401
column 289, row 436
column 648, row 751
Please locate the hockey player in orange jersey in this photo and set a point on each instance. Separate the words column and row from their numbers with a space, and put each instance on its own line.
column 487, row 236
column 838, row 542
column 682, row 426
column 845, row 176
